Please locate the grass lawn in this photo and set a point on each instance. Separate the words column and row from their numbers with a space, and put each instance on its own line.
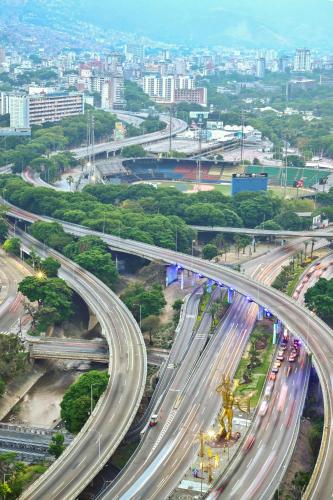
column 260, row 372
column 225, row 189
column 290, row 192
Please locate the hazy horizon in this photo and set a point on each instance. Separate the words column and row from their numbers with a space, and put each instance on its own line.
column 242, row 22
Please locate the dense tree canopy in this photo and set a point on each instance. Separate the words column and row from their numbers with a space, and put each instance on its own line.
column 12, row 246
column 209, row 251
column 81, row 397
column 50, row 266
column 13, row 359
column 53, row 296
column 3, row 229
column 151, row 301
column 319, row 298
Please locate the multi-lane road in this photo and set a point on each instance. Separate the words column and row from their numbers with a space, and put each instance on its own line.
column 177, row 126
column 117, row 407
column 12, row 271
column 318, row 233
column 317, row 334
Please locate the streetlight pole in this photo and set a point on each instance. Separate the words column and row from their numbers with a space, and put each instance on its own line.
column 91, row 398
column 140, row 313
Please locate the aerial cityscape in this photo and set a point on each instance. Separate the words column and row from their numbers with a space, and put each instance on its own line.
column 166, row 250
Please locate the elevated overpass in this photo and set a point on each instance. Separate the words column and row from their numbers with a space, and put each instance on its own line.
column 316, row 335
column 74, row 349
column 30, row 444
column 115, row 411
column 318, row 233
column 177, row 126
column 83, row 350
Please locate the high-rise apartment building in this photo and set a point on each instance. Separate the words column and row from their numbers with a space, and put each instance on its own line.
column 112, row 93
column 302, row 60
column 197, row 96
column 167, row 89
column 17, row 106
column 134, row 52
column 26, row 110
column 162, row 88
column 2, row 55
column 260, row 68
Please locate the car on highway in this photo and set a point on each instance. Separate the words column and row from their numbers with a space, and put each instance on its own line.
column 263, row 408
column 272, row 376
column 249, row 443
column 292, row 359
column 280, row 357
column 282, row 397
column 277, row 363
column 275, row 369
column 268, row 390
column 153, row 420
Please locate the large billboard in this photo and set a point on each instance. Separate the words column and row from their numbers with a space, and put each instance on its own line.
column 119, row 131
column 248, row 182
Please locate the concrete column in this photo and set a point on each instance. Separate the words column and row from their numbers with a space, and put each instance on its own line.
column 193, row 279
column 275, row 333
column 260, row 315
column 182, row 279
column 230, row 295
column 171, row 275
column 209, row 286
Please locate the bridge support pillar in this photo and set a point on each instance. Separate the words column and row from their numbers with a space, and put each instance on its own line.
column 209, row 286
column 171, row 275
column 275, row 333
column 182, row 279
column 260, row 315
column 231, row 294
column 93, row 321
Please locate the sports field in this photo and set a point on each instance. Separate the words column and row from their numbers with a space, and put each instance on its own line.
column 276, row 175
column 190, row 188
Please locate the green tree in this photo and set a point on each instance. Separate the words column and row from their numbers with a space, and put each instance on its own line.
column 150, row 324
column 100, row 263
column 151, row 300
column 81, row 397
column 54, row 298
column 3, row 230
column 12, row 246
column 50, row 266
column 295, row 161
column 2, row 387
column 289, row 220
column 57, row 445
column 319, row 298
column 135, row 151
column 34, row 259
column 209, row 251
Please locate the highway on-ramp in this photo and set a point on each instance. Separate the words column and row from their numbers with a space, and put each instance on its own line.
column 114, row 413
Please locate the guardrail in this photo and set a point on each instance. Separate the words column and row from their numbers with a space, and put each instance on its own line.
column 279, row 304
column 102, row 400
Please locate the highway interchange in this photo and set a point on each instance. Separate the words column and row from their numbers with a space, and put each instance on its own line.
column 221, row 351
column 116, row 409
column 298, row 320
